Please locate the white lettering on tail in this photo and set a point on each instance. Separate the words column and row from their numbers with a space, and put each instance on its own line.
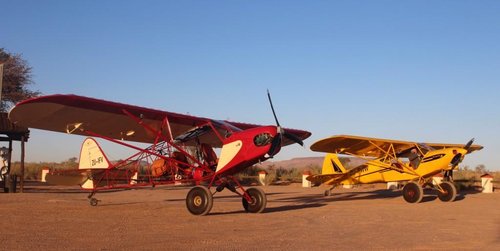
column 92, row 156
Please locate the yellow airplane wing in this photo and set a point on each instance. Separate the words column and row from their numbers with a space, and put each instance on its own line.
column 472, row 148
column 374, row 147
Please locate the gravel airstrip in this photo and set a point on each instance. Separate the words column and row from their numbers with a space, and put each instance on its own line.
column 296, row 218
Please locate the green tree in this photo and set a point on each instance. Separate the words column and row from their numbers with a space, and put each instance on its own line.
column 481, row 169
column 71, row 163
column 16, row 79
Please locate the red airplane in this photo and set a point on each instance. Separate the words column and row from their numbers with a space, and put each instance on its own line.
column 180, row 151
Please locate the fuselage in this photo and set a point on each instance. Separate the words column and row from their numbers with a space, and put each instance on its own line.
column 376, row 171
column 245, row 148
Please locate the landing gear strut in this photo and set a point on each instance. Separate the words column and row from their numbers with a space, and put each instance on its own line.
column 328, row 192
column 199, row 200
column 448, row 175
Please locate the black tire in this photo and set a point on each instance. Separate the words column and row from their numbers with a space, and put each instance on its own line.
column 449, row 192
column 327, row 192
column 93, row 202
column 199, row 200
column 258, row 203
column 413, row 192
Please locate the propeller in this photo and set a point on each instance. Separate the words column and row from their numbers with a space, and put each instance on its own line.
column 457, row 159
column 468, row 145
column 278, row 139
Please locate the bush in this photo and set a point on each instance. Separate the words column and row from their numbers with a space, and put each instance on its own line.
column 290, row 174
column 468, row 179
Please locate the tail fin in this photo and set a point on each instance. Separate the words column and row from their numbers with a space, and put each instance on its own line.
column 92, row 156
column 332, row 165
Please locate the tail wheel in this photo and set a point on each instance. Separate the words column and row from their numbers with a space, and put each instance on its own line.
column 413, row 192
column 199, row 200
column 449, row 191
column 93, row 202
column 258, row 203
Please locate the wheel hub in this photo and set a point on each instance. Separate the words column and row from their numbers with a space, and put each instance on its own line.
column 411, row 193
column 197, row 201
column 252, row 201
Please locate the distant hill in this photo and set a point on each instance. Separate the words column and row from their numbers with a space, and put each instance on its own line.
column 310, row 162
column 298, row 163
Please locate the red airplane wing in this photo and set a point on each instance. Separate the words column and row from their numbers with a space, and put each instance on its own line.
column 76, row 114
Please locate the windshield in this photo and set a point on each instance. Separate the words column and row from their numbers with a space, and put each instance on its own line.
column 225, row 125
column 196, row 132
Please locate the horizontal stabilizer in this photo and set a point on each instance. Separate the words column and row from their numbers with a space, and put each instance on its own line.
column 322, row 178
column 66, row 180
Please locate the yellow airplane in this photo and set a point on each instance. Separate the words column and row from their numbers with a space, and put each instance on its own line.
column 389, row 161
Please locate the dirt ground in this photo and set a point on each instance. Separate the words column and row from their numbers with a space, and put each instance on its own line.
column 296, row 218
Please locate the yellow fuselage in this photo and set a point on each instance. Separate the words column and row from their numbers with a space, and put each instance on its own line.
column 380, row 170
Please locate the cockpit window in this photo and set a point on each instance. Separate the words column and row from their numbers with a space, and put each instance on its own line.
column 225, row 125
column 222, row 127
column 433, row 157
column 193, row 133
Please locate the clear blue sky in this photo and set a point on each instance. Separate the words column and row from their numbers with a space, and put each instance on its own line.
column 409, row 70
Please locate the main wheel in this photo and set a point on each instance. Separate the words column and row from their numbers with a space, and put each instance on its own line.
column 413, row 192
column 199, row 200
column 258, row 203
column 449, row 191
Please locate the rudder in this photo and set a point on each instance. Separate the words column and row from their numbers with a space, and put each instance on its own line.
column 92, row 156
column 332, row 164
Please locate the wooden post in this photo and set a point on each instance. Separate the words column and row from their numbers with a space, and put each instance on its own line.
column 262, row 178
column 1, row 79
column 305, row 182
column 45, row 171
column 487, row 183
column 392, row 185
column 9, row 162
column 22, row 163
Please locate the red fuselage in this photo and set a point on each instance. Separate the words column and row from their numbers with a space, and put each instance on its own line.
column 246, row 148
